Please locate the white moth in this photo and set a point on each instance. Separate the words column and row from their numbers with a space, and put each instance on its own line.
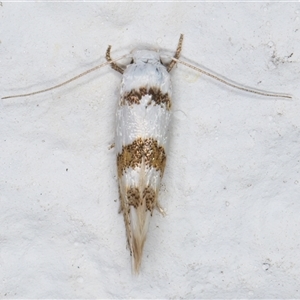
column 142, row 122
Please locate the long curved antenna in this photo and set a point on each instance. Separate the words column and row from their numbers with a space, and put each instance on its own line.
column 66, row 82
column 236, row 86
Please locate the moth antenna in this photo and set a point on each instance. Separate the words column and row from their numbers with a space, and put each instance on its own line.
column 177, row 53
column 236, row 86
column 65, row 82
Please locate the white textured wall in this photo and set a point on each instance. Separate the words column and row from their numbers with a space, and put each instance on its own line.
column 232, row 183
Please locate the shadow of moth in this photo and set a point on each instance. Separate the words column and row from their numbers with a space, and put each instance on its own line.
column 142, row 121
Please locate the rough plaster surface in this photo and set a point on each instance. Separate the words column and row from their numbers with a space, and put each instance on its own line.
column 232, row 183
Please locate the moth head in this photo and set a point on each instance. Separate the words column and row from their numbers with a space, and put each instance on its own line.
column 146, row 56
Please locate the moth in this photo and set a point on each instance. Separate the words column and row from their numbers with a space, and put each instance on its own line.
column 141, row 135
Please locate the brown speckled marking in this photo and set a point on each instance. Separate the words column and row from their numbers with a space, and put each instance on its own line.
column 133, row 197
column 150, row 198
column 140, row 150
column 136, row 198
column 135, row 96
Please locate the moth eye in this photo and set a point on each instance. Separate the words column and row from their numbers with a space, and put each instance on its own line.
column 132, row 61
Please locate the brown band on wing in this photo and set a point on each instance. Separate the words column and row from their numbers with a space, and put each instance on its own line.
column 135, row 96
column 146, row 150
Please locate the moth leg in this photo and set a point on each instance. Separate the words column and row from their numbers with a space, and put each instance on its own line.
column 113, row 65
column 177, row 53
column 160, row 209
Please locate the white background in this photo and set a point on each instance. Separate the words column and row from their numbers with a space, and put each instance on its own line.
column 232, row 183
